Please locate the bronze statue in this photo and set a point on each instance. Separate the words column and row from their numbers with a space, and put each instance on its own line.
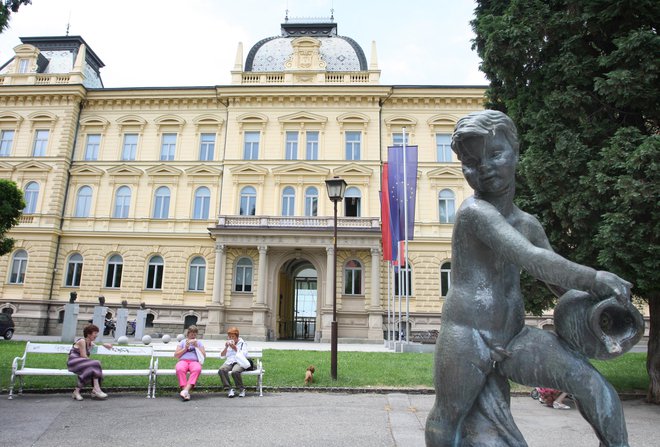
column 101, row 300
column 483, row 341
column 73, row 296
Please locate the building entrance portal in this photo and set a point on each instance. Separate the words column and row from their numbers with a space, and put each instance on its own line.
column 298, row 301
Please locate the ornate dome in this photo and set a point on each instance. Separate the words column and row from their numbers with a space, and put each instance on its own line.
column 337, row 53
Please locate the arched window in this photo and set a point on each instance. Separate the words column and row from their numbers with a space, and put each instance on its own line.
column 113, row 271
column 405, row 276
column 243, row 276
column 162, row 203
column 288, row 201
column 18, row 267
column 31, row 197
column 188, row 321
column 122, row 202
column 352, row 202
column 447, row 206
column 353, row 278
column 248, row 201
column 150, row 320
column 197, row 274
column 155, row 273
column 445, row 278
column 311, row 201
column 202, row 203
column 83, row 202
column 74, row 269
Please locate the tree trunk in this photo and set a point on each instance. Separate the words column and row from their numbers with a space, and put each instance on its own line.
column 653, row 356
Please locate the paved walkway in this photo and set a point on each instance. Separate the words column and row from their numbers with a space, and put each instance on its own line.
column 277, row 419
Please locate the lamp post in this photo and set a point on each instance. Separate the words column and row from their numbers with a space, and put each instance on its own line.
column 336, row 189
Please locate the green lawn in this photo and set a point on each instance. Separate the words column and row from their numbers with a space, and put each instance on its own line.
column 286, row 369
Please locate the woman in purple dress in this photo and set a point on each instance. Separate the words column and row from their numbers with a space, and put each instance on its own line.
column 86, row 369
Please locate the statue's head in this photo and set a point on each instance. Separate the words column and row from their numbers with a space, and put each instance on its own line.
column 124, row 304
column 101, row 300
column 72, row 297
column 484, row 123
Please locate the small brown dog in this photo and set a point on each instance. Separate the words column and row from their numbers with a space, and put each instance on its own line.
column 309, row 375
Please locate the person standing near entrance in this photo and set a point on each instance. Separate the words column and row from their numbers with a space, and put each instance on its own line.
column 235, row 347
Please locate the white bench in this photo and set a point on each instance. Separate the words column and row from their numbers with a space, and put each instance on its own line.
column 211, row 353
column 18, row 368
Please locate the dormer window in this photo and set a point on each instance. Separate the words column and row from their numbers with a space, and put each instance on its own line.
column 23, row 65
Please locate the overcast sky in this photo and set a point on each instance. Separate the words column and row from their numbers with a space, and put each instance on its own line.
column 157, row 43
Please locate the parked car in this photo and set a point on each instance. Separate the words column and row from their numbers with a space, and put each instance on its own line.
column 6, row 326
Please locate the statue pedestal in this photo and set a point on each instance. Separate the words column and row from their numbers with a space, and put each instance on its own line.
column 70, row 323
column 215, row 326
column 140, row 323
column 122, row 319
column 98, row 319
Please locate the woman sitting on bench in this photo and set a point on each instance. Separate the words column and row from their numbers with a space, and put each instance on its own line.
column 85, row 368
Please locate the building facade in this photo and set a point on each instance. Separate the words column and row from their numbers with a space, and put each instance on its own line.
column 209, row 203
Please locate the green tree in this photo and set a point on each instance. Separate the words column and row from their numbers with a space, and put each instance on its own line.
column 11, row 206
column 580, row 79
column 6, row 8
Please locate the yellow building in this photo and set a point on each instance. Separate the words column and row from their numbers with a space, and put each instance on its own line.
column 209, row 203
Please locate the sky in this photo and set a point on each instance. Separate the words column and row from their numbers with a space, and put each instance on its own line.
column 169, row 43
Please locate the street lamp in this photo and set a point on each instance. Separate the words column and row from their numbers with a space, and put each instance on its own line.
column 336, row 189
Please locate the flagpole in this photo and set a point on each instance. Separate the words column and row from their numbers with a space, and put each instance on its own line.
column 392, row 296
column 405, row 233
column 389, row 320
column 398, row 249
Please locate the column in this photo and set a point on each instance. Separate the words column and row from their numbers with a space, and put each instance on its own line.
column 216, row 310
column 263, row 260
column 218, row 275
column 329, row 279
column 375, row 308
column 375, row 278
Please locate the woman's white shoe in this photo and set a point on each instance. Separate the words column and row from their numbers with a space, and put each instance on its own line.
column 76, row 395
column 99, row 394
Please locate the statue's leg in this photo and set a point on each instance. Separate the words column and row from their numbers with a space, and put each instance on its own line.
column 540, row 358
column 461, row 368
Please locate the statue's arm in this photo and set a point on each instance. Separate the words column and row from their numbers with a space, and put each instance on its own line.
column 540, row 261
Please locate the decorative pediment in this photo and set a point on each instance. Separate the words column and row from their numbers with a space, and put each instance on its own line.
column 10, row 118
column 131, row 121
column 164, row 170
column 94, row 121
column 249, row 169
column 208, row 121
column 169, row 122
column 124, row 169
column 300, row 169
column 252, row 118
column 399, row 121
column 352, row 169
column 204, row 170
column 445, row 173
column 42, row 118
column 354, row 119
column 5, row 169
column 303, row 117
column 33, row 166
column 442, row 122
column 87, row 170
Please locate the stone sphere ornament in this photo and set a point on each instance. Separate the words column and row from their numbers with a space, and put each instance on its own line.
column 180, row 337
column 146, row 339
column 123, row 340
column 166, row 338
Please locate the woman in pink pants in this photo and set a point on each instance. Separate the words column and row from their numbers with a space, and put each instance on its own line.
column 191, row 354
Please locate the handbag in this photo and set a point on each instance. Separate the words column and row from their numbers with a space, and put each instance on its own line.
column 242, row 360
column 200, row 356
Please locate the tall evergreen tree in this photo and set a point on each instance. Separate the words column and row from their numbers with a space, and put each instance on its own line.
column 11, row 206
column 580, row 79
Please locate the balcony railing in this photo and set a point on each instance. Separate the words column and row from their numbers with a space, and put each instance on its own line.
column 298, row 222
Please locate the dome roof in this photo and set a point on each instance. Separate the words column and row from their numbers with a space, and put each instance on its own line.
column 338, row 52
